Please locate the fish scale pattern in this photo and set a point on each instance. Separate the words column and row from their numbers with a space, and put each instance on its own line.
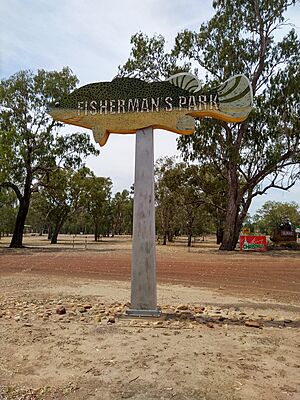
column 127, row 88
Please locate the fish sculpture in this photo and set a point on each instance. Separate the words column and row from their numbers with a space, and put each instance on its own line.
column 126, row 105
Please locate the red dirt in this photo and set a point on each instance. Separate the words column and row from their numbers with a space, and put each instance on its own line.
column 273, row 275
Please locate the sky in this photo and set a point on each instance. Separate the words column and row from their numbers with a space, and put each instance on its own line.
column 92, row 37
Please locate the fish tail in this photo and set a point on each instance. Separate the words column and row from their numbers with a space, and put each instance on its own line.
column 236, row 97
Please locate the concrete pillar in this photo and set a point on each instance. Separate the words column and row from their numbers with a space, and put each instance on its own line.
column 143, row 267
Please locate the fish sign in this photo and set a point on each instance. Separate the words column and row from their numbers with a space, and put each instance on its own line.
column 126, row 105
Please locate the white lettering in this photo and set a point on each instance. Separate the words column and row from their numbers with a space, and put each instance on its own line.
column 155, row 104
column 133, row 105
column 192, row 103
column 93, row 106
column 112, row 106
column 213, row 101
column 145, row 105
column 103, row 107
column 121, row 106
column 182, row 102
column 80, row 107
column 168, row 101
column 202, row 102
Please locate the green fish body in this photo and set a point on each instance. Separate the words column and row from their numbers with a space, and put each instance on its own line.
column 125, row 105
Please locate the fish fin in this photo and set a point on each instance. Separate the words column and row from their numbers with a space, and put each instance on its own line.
column 104, row 139
column 186, row 81
column 185, row 123
column 235, row 96
column 100, row 135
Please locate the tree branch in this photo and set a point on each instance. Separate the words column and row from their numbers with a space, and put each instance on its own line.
column 262, row 51
column 14, row 188
column 269, row 168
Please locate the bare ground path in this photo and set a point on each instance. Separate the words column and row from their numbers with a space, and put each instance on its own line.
column 274, row 274
column 235, row 334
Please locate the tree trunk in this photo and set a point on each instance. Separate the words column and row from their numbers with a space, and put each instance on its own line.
column 189, row 240
column 231, row 230
column 230, row 235
column 54, row 235
column 235, row 217
column 240, row 219
column 170, row 236
column 49, row 232
column 24, row 202
column 165, row 239
column 96, row 236
column 17, row 238
column 219, row 234
column 237, row 232
column 56, row 231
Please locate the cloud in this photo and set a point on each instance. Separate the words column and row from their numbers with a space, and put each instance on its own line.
column 93, row 38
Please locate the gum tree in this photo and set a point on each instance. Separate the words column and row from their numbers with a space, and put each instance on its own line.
column 7, row 211
column 185, row 199
column 63, row 193
column 121, row 213
column 96, row 200
column 262, row 152
column 30, row 144
column 272, row 213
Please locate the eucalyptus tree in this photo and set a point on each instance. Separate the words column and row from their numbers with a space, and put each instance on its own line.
column 272, row 213
column 180, row 201
column 30, row 144
column 122, row 213
column 8, row 202
column 37, row 216
column 167, row 210
column 64, row 192
column 263, row 151
column 96, row 200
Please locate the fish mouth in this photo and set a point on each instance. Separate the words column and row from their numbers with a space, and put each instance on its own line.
column 70, row 120
column 73, row 119
column 66, row 116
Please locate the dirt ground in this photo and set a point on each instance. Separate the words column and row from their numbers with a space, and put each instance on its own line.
column 229, row 327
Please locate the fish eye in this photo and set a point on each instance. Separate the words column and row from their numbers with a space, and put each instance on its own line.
column 57, row 104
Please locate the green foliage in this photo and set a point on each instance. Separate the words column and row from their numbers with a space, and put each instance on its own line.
column 96, row 201
column 8, row 211
column 148, row 59
column 239, row 39
column 31, row 147
column 182, row 206
column 254, row 155
column 166, row 201
column 272, row 213
column 122, row 213
column 38, row 212
column 29, row 137
column 77, row 199
column 63, row 193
